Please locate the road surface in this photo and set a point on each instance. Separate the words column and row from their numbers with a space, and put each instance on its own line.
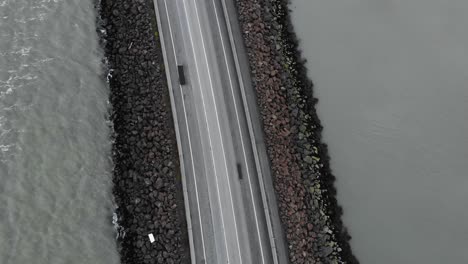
column 231, row 210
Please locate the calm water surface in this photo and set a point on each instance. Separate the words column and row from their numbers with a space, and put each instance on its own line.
column 55, row 168
column 392, row 80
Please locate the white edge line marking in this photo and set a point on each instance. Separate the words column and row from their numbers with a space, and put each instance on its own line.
column 207, row 126
column 176, row 126
column 251, row 131
column 184, row 181
column 240, row 134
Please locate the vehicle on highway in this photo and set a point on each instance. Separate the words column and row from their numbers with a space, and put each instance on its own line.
column 239, row 171
column 180, row 68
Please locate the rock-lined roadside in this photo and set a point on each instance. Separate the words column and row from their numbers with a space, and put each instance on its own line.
column 302, row 178
column 147, row 185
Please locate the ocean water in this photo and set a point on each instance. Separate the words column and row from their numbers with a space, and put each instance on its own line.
column 55, row 147
column 392, row 82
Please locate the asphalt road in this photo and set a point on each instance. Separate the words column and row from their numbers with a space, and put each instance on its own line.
column 231, row 210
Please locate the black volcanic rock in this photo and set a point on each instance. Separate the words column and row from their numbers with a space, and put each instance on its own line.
column 148, row 195
column 300, row 164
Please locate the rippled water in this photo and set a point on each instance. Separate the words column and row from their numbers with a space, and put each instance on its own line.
column 392, row 80
column 55, row 167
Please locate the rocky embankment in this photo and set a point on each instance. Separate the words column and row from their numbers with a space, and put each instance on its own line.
column 300, row 164
column 147, row 185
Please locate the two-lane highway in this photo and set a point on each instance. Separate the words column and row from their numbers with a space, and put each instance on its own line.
column 228, row 211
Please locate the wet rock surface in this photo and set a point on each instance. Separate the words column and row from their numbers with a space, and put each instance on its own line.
column 304, row 184
column 147, row 183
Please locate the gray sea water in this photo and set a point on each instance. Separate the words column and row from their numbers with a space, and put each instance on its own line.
column 55, row 168
column 392, row 83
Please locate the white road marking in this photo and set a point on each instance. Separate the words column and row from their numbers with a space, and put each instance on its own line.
column 221, row 135
column 188, row 133
column 252, row 137
column 209, row 134
column 240, row 134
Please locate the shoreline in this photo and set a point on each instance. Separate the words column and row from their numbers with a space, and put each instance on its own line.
column 303, row 181
column 147, row 183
